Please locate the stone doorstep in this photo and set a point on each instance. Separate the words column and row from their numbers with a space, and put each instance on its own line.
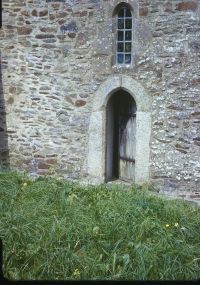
column 119, row 182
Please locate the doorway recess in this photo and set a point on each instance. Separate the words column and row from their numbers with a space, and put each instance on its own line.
column 120, row 137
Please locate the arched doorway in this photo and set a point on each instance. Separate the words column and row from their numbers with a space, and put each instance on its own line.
column 120, row 137
column 97, row 143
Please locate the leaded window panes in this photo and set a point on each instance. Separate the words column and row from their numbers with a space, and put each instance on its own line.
column 124, row 36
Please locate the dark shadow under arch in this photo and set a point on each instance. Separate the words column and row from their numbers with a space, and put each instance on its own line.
column 120, row 140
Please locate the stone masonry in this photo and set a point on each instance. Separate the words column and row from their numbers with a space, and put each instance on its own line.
column 55, row 54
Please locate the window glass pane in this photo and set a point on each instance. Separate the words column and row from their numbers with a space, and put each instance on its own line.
column 120, row 58
column 124, row 36
column 120, row 47
column 128, row 36
column 121, row 24
column 128, row 24
column 128, row 13
column 127, row 58
column 120, row 35
column 127, row 47
column 121, row 13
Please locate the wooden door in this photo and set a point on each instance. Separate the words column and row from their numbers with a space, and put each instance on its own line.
column 127, row 138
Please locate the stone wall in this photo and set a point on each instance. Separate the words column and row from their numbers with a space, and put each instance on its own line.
column 56, row 53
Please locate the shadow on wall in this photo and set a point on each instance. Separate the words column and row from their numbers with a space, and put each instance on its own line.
column 4, row 152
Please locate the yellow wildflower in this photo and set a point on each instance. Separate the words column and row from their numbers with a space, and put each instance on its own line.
column 167, row 225
column 76, row 273
column 25, row 184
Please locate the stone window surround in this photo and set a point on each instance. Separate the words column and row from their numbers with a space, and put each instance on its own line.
column 124, row 30
column 96, row 161
column 132, row 5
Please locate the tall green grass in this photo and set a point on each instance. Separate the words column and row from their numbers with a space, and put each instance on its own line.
column 59, row 230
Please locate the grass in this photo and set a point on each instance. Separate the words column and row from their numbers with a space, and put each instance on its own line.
column 59, row 230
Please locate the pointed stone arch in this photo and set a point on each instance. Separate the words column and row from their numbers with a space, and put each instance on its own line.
column 97, row 127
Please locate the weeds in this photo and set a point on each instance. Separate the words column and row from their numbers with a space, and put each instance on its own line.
column 59, row 230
